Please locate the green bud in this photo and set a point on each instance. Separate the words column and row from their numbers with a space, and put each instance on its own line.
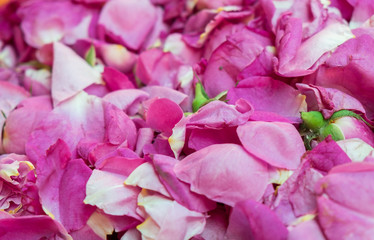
column 91, row 56
column 333, row 130
column 313, row 120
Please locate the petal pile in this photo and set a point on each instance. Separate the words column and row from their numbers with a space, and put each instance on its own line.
column 186, row 119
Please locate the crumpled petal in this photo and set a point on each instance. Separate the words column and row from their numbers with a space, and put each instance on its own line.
column 328, row 100
column 166, row 219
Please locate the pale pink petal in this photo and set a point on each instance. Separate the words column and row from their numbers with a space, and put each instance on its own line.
column 167, row 219
column 103, row 185
column 71, row 73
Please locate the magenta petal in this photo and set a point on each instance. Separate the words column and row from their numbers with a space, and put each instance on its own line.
column 119, row 18
column 276, row 143
column 57, row 178
column 31, row 227
column 163, row 114
column 116, row 80
column 252, row 220
column 224, row 173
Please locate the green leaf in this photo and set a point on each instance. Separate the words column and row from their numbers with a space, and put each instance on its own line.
column 91, row 56
column 313, row 120
column 333, row 130
column 347, row 113
column 200, row 97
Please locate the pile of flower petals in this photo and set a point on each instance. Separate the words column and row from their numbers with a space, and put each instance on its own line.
column 186, row 119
